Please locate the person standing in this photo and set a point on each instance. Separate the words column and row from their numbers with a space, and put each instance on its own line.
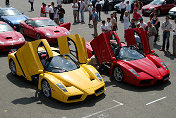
column 143, row 24
column 122, row 10
column 166, row 27
column 128, row 7
column 106, row 5
column 61, row 12
column 114, row 23
column 174, row 40
column 51, row 11
column 56, row 16
column 103, row 27
column 109, row 24
column 7, row 3
column 42, row 10
column 90, row 13
column 151, row 32
column 98, row 8
column 95, row 22
column 136, row 16
column 140, row 5
column 32, row 4
column 82, row 8
column 58, row 4
column 126, row 20
column 156, row 23
column 132, row 24
column 75, row 11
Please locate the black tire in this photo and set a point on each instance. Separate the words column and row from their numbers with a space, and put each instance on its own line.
column 46, row 88
column 118, row 74
column 158, row 12
column 38, row 36
column 12, row 67
column 21, row 31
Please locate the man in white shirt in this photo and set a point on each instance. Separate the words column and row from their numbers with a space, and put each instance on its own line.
column 109, row 24
column 174, row 40
column 82, row 7
column 51, row 11
column 142, row 23
column 122, row 9
column 166, row 27
column 98, row 7
column 128, row 7
column 75, row 11
column 103, row 27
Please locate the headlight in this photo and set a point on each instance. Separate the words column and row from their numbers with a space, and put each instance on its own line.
column 134, row 72
column 1, row 43
column 61, row 87
column 21, row 39
column 48, row 34
column 98, row 76
column 162, row 63
column 67, row 32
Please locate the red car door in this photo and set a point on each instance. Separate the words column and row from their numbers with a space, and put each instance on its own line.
column 102, row 48
column 138, row 37
column 167, row 5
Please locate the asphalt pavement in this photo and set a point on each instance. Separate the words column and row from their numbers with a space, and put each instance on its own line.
column 20, row 98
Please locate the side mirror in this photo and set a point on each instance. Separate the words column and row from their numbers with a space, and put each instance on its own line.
column 30, row 25
column 40, row 71
column 14, row 27
column 113, row 58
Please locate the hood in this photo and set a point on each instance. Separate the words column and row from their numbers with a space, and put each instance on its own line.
column 150, row 6
column 53, row 30
column 9, row 37
column 15, row 19
column 173, row 9
column 144, row 65
column 78, row 78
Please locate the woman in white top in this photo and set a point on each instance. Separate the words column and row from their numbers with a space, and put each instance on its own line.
column 56, row 16
column 126, row 21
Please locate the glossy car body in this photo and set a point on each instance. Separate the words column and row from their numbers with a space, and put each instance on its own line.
column 131, row 2
column 10, row 39
column 133, row 65
column 66, row 79
column 43, row 28
column 12, row 16
column 162, row 7
column 112, row 3
column 172, row 13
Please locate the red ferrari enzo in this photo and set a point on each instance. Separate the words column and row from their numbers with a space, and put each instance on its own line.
column 132, row 63
column 43, row 28
column 9, row 38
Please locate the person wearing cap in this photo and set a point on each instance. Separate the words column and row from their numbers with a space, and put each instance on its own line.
column 151, row 32
column 166, row 27
column 174, row 40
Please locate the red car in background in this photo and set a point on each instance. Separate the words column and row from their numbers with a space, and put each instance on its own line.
column 132, row 63
column 161, row 6
column 43, row 28
column 9, row 38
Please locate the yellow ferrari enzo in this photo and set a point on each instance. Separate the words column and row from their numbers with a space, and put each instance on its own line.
column 60, row 75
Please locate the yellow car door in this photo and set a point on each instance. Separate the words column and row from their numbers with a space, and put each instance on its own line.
column 28, row 57
column 78, row 41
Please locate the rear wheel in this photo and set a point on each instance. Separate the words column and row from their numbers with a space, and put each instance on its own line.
column 46, row 88
column 21, row 31
column 12, row 67
column 38, row 36
column 118, row 74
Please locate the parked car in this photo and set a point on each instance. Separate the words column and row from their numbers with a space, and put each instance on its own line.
column 9, row 38
column 112, row 3
column 43, row 28
column 12, row 16
column 131, row 2
column 162, row 7
column 58, row 75
column 145, row 2
column 132, row 63
column 172, row 13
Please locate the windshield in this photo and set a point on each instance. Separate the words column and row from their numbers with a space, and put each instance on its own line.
column 157, row 2
column 128, row 54
column 59, row 64
column 10, row 12
column 5, row 28
column 44, row 23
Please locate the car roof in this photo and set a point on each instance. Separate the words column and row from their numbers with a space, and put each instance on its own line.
column 39, row 18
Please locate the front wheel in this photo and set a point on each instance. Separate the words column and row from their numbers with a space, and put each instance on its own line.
column 118, row 74
column 12, row 67
column 46, row 88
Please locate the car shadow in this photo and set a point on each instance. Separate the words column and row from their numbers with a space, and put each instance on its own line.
column 4, row 54
column 39, row 98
